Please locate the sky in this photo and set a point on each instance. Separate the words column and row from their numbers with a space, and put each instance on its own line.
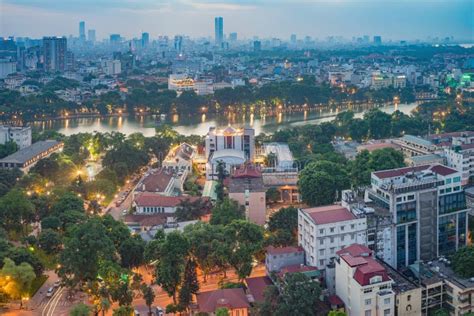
column 392, row 19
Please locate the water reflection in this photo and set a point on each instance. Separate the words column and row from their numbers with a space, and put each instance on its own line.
column 195, row 124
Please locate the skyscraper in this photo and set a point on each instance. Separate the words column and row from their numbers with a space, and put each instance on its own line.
column 219, row 29
column 54, row 52
column 82, row 31
column 293, row 39
column 378, row 40
column 178, row 44
column 91, row 36
column 145, row 39
column 233, row 37
column 257, row 46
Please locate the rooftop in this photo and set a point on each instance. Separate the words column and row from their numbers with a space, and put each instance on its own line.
column 155, row 181
column 282, row 250
column 30, row 152
column 256, row 287
column 329, row 214
column 209, row 301
column 153, row 199
column 417, row 140
column 392, row 173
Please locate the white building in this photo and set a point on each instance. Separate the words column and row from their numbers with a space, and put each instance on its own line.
column 322, row 231
column 362, row 283
column 232, row 146
column 460, row 155
column 20, row 135
column 7, row 67
column 112, row 67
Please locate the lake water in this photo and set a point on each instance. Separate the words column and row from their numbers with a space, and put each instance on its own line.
column 200, row 123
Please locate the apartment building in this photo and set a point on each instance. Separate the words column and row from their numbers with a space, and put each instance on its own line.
column 322, row 231
column 20, row 135
column 362, row 283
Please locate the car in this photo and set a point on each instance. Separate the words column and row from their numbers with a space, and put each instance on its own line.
column 124, row 212
column 159, row 311
column 50, row 292
column 136, row 313
column 57, row 284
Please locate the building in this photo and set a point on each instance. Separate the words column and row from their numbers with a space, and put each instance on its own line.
column 145, row 39
column 378, row 40
column 112, row 67
column 232, row 146
column 414, row 145
column 26, row 158
column 283, row 158
column 162, row 181
column 7, row 67
column 219, row 30
column 322, row 231
column 233, row 37
column 234, row 300
column 91, row 36
column 257, row 46
column 460, row 155
column 82, row 31
column 427, row 159
column 277, row 258
column 115, row 39
column 180, row 158
column 428, row 210
column 54, row 53
column 148, row 203
column 182, row 82
column 246, row 187
column 362, row 283
column 20, row 135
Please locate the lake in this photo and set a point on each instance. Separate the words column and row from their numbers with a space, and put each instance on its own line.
column 200, row 123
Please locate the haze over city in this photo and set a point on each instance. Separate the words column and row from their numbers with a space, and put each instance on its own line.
column 407, row 20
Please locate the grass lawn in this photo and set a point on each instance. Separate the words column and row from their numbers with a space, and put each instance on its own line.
column 37, row 283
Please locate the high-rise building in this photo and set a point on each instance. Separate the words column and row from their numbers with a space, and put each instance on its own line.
column 54, row 53
column 115, row 38
column 233, row 37
column 257, row 46
column 219, row 29
column 178, row 44
column 427, row 205
column 293, row 39
column 82, row 31
column 145, row 39
column 378, row 40
column 8, row 48
column 91, row 35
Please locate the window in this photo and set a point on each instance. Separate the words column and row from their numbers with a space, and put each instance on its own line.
column 368, row 313
column 387, row 311
column 321, row 262
column 342, row 238
column 332, row 239
column 386, row 301
column 408, row 297
column 332, row 229
column 457, row 179
column 342, row 228
column 448, row 181
column 368, row 301
column 352, row 226
column 408, row 307
column 368, row 290
column 321, row 252
column 321, row 241
column 332, row 250
column 321, row 231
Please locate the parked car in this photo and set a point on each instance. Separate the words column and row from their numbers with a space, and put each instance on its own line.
column 124, row 212
column 50, row 292
column 57, row 284
column 159, row 311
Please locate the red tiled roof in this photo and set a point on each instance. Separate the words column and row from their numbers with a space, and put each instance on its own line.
column 256, row 286
column 354, row 261
column 155, row 181
column 158, row 200
column 335, row 300
column 329, row 214
column 367, row 271
column 209, row 301
column 443, row 170
column 398, row 172
column 355, row 250
column 467, row 146
column 147, row 220
column 281, row 250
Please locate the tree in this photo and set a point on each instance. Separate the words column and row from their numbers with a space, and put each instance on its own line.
column 272, row 195
column 123, row 311
column 284, row 224
column 51, row 222
column 170, row 267
column 87, row 247
column 221, row 174
column 131, row 252
column 68, row 202
column 190, row 285
column 20, row 255
column 358, row 129
column 361, row 169
column 320, row 181
column 386, row 158
column 222, row 311
column 379, row 123
column 189, row 210
column 8, row 148
column 226, row 211
column 16, row 280
column 80, row 309
column 50, row 241
column 16, row 211
column 149, row 296
column 336, row 313
column 463, row 262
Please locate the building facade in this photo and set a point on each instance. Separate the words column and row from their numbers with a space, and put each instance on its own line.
column 20, row 135
column 54, row 53
column 322, row 231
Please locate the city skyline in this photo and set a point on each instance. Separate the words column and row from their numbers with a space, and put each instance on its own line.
column 392, row 20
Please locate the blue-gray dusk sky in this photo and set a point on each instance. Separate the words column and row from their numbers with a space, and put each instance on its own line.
column 394, row 19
